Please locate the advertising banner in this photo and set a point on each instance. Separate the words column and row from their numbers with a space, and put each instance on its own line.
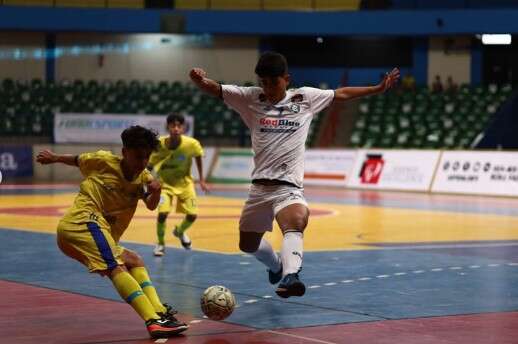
column 106, row 128
column 15, row 161
column 328, row 167
column 410, row 170
column 475, row 172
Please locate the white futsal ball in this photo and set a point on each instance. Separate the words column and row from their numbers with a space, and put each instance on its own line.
column 217, row 302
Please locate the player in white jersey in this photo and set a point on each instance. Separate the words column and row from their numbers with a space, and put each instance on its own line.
column 279, row 121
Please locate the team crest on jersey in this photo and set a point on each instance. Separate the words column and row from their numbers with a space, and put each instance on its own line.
column 295, row 108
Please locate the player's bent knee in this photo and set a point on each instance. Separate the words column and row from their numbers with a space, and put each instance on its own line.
column 191, row 217
column 248, row 247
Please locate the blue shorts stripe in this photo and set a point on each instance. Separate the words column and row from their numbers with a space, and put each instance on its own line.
column 146, row 284
column 134, row 295
column 102, row 245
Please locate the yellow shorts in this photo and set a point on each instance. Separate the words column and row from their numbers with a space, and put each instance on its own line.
column 90, row 244
column 185, row 200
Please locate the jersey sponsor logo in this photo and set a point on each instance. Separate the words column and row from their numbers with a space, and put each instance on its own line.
column 274, row 125
column 274, row 122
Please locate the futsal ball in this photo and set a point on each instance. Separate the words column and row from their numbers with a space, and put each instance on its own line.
column 217, row 302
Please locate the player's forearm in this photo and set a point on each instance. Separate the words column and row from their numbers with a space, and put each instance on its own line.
column 347, row 93
column 199, row 165
column 67, row 159
column 209, row 86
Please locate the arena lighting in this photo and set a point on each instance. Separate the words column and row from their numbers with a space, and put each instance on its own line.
column 496, row 39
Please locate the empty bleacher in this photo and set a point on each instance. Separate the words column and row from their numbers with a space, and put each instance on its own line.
column 423, row 119
column 27, row 107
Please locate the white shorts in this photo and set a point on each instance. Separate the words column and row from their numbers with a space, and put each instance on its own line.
column 264, row 202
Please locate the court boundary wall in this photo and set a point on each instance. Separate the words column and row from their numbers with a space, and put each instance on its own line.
column 493, row 173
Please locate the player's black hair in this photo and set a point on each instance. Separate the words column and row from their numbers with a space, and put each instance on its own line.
column 271, row 64
column 139, row 137
column 175, row 117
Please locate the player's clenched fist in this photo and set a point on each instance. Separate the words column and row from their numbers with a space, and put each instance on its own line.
column 46, row 157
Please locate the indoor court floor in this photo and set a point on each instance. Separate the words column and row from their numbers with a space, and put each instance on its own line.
column 379, row 267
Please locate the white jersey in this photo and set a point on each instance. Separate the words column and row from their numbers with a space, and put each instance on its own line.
column 278, row 131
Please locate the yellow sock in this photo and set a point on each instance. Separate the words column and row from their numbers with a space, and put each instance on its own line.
column 131, row 292
column 142, row 277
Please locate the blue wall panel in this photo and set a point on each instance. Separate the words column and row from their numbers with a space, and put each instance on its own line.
column 264, row 22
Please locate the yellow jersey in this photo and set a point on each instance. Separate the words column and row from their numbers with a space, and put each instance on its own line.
column 105, row 196
column 173, row 166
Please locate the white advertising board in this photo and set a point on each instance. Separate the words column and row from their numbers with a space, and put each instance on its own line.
column 106, row 128
column 409, row 170
column 233, row 166
column 328, row 167
column 475, row 172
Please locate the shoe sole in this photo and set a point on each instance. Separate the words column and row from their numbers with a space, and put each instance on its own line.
column 165, row 334
column 296, row 289
column 158, row 254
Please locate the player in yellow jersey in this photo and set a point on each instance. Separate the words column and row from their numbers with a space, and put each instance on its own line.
column 90, row 230
column 172, row 163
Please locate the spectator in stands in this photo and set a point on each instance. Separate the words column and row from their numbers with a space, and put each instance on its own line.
column 279, row 121
column 408, row 83
column 437, row 86
column 451, row 86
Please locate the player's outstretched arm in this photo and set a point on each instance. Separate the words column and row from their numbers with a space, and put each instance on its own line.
column 347, row 93
column 152, row 195
column 46, row 157
column 199, row 78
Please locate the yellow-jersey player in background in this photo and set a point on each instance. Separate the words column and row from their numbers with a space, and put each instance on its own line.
column 90, row 230
column 172, row 163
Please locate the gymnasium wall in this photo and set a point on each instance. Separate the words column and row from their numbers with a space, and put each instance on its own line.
column 159, row 57
column 11, row 63
column 141, row 56
column 449, row 57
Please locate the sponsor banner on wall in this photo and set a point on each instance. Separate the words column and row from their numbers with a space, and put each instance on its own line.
column 233, row 166
column 475, row 172
column 410, row 170
column 106, row 128
column 208, row 157
column 328, row 167
column 15, row 161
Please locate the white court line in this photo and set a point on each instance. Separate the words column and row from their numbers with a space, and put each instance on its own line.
column 425, row 247
column 301, row 337
column 161, row 340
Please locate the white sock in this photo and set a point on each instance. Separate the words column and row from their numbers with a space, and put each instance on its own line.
column 291, row 252
column 267, row 256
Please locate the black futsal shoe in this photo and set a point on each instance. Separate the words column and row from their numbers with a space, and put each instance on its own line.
column 291, row 286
